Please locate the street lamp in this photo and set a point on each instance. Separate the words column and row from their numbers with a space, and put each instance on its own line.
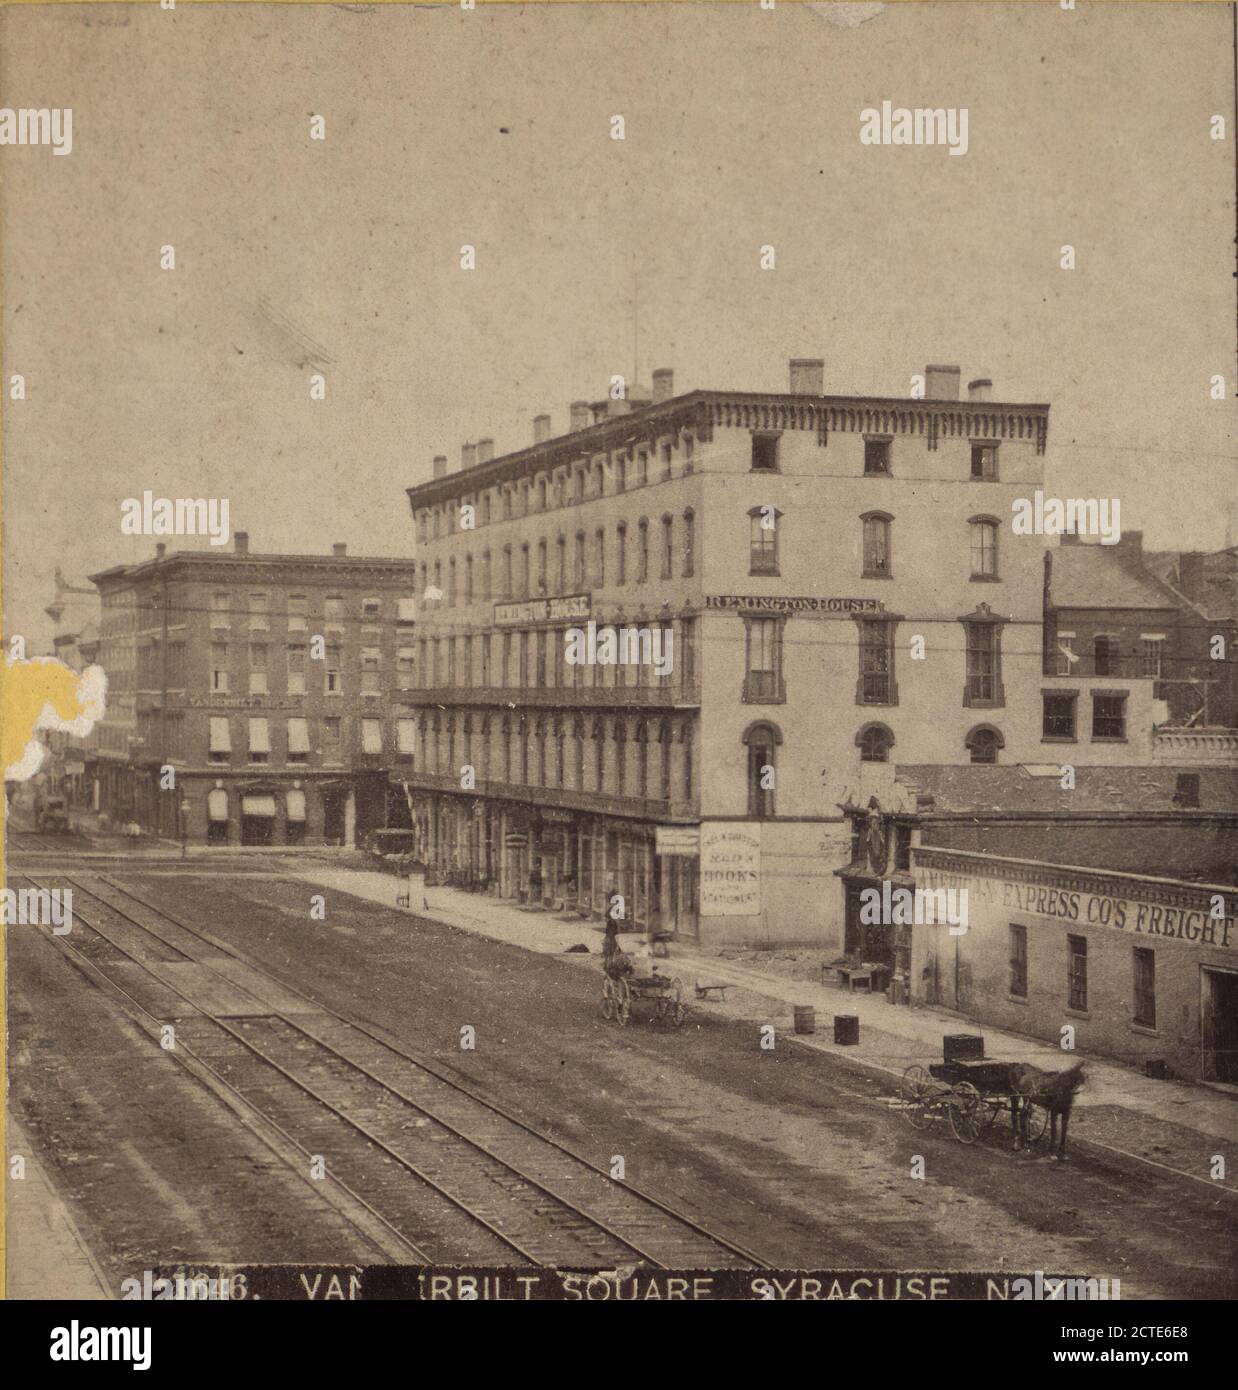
column 184, row 827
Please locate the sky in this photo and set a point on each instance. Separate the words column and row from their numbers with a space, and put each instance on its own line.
column 492, row 127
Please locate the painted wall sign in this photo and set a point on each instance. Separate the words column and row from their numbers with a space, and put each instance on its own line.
column 730, row 869
column 543, row 610
column 677, row 839
column 811, row 605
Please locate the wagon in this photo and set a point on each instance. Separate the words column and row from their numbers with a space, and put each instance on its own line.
column 969, row 1094
column 664, row 992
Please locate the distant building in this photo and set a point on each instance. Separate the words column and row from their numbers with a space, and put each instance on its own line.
column 265, row 682
column 1210, row 582
column 74, row 611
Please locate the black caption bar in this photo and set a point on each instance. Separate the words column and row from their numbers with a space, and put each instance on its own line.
column 434, row 1284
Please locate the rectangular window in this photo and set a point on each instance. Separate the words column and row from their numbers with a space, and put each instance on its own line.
column 764, row 674
column 1108, row 716
column 876, row 663
column 219, row 668
column 333, row 610
column 877, row 547
column 1105, row 655
column 685, row 656
column 1064, row 656
column 406, row 610
column 1145, row 987
column 765, row 453
column 221, row 609
column 1018, row 960
column 1151, row 657
column 984, row 682
column 406, row 667
column 257, row 668
column 259, row 741
column 1077, row 973
column 984, row 549
column 221, row 739
column 298, row 612
column 667, row 462
column 406, row 736
column 298, row 741
column 984, row 462
column 258, row 611
column 876, row 457
column 1059, row 714
column 763, row 540
column 371, row 735
column 296, row 670
column 331, row 735
column 371, row 609
column 333, row 683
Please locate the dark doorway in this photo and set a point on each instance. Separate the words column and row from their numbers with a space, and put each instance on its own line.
column 1218, row 1025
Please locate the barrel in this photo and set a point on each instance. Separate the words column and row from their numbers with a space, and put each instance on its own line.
column 846, row 1030
column 805, row 1018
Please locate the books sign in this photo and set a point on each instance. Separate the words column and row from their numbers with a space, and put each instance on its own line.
column 730, row 868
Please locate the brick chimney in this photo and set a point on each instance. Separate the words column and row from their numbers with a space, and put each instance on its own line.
column 579, row 415
column 468, row 455
column 339, row 549
column 240, row 542
column 981, row 389
column 663, row 384
column 541, row 428
column 1191, row 573
column 941, row 383
column 485, row 450
column 440, row 465
column 807, row 376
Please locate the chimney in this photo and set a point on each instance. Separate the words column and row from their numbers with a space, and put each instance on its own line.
column 663, row 385
column 339, row 549
column 240, row 542
column 980, row 390
column 468, row 455
column 807, row 376
column 580, row 415
column 541, row 428
column 440, row 465
column 941, row 383
column 485, row 450
column 1191, row 573
column 160, row 550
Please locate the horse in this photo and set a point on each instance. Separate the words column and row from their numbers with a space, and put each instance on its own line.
column 1053, row 1090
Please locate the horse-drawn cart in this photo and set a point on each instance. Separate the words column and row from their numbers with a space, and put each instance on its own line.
column 664, row 992
column 970, row 1094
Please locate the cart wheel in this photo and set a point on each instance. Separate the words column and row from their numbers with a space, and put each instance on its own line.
column 677, row 1008
column 967, row 1108
column 608, row 997
column 623, row 1002
column 912, row 1091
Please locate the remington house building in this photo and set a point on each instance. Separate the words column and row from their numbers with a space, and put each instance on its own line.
column 840, row 585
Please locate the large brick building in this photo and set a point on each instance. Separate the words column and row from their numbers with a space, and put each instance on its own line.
column 265, row 682
column 842, row 589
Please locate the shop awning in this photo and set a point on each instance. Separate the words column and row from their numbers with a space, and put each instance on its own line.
column 257, row 806
column 221, row 738
column 259, row 736
column 217, row 805
column 296, row 805
column 298, row 736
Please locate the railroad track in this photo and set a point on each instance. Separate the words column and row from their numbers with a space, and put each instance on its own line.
column 38, row 840
column 457, row 1178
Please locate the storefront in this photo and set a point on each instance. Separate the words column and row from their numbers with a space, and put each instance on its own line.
column 1137, row 968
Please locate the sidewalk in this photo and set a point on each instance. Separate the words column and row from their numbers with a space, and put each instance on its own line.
column 1168, row 1124
column 46, row 1256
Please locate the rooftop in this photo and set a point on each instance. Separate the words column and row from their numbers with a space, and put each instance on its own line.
column 1105, row 576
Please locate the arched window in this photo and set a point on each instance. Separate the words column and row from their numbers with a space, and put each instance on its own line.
column 621, row 754
column 983, row 742
column 543, row 578
column 689, row 543
column 983, row 547
column 621, row 554
column 642, row 551
column 874, row 742
column 506, row 734
column 540, row 734
column 668, row 546
column 541, row 494
column 664, row 767
column 762, row 740
column 558, row 736
column 485, row 576
column 468, row 579
column 561, row 550
column 578, row 754
column 642, row 758
column 877, row 558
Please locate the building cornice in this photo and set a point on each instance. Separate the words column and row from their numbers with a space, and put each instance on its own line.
column 703, row 411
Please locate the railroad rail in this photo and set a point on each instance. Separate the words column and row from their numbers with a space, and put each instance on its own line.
column 459, row 1178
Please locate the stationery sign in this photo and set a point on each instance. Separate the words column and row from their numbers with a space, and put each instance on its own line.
column 730, row 869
